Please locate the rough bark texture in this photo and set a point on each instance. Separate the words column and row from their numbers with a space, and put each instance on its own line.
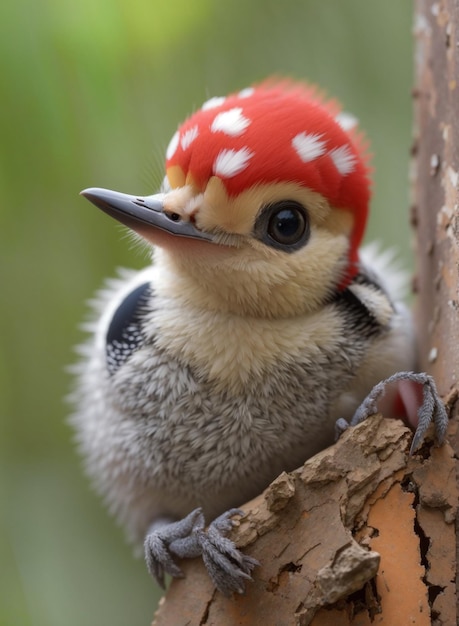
column 436, row 205
column 436, row 166
column 362, row 533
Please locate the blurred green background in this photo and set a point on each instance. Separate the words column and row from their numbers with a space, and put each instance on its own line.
column 91, row 92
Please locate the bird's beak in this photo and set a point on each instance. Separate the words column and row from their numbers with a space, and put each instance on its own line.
column 138, row 212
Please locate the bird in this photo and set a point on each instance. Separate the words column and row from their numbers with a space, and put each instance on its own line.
column 259, row 329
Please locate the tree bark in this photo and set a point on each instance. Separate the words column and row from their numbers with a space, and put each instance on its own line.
column 436, row 166
column 436, row 209
column 362, row 533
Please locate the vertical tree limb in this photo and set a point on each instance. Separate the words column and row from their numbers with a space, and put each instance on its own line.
column 436, row 203
column 435, row 188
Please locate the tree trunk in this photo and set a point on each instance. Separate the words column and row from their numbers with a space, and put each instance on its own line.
column 436, row 166
column 436, row 218
column 364, row 534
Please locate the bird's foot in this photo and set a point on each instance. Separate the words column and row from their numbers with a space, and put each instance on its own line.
column 227, row 567
column 429, row 409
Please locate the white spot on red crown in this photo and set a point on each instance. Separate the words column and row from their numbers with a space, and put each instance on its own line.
column 309, row 146
column 173, row 145
column 347, row 121
column 230, row 122
column 188, row 137
column 246, row 93
column 343, row 159
column 216, row 101
column 230, row 162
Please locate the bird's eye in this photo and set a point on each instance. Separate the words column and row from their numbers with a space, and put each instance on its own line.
column 286, row 226
column 283, row 225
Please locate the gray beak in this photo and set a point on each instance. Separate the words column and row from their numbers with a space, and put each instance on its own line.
column 136, row 211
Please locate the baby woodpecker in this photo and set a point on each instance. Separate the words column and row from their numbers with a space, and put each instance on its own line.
column 258, row 327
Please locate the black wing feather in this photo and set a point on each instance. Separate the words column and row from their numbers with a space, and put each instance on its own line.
column 125, row 334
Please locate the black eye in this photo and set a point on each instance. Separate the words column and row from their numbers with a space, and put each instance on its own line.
column 286, row 226
column 283, row 225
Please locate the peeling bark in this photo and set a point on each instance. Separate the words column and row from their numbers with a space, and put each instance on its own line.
column 352, row 537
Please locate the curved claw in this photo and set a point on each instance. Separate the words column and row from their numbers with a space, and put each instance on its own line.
column 157, row 546
column 227, row 575
column 431, row 409
column 159, row 560
column 227, row 567
column 340, row 426
column 224, row 523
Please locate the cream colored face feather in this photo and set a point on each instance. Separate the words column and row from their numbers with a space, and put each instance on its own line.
column 245, row 275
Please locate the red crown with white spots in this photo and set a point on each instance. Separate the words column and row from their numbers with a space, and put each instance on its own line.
column 275, row 132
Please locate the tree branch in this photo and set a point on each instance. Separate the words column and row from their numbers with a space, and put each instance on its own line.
column 321, row 532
